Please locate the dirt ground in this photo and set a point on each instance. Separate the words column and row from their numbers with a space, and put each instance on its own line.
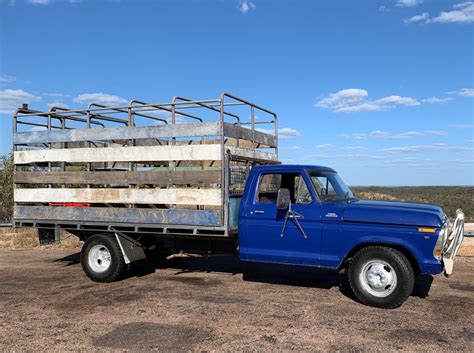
column 46, row 303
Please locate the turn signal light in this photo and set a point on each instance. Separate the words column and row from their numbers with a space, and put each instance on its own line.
column 427, row 230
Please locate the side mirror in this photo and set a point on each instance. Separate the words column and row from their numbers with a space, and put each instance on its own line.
column 283, row 199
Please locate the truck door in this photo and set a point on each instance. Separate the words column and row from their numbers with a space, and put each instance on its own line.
column 261, row 236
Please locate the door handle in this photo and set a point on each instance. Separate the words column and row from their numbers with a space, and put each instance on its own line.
column 259, row 212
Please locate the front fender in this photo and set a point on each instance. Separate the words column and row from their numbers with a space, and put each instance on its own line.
column 341, row 242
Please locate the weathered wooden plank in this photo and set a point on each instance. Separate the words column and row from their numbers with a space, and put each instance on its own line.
column 120, row 154
column 249, row 153
column 119, row 133
column 209, row 197
column 119, row 215
column 135, row 154
column 178, row 177
column 240, row 132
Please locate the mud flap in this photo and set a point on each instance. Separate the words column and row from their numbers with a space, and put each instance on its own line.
column 131, row 249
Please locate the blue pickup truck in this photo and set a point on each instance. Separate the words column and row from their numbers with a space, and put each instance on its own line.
column 126, row 188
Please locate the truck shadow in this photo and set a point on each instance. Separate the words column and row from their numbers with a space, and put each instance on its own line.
column 253, row 272
column 266, row 273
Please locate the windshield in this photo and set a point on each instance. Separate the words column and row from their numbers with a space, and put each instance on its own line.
column 330, row 186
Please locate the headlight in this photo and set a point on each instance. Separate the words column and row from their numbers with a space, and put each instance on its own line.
column 438, row 249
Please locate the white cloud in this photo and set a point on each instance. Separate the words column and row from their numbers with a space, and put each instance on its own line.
column 289, row 148
column 12, row 99
column 361, row 157
column 284, row 133
column 287, row 132
column 352, row 100
column 7, row 78
column 316, row 156
column 406, row 135
column 378, row 133
column 408, row 3
column 57, row 95
column 99, row 98
column 435, row 132
column 418, row 18
column 325, row 146
column 344, row 136
column 352, row 148
column 460, row 13
column 40, row 2
column 359, row 136
column 362, row 107
column 58, row 104
column 411, row 134
column 396, row 100
column 435, row 147
column 463, row 126
column 245, row 6
column 436, row 100
column 343, row 98
column 384, row 9
column 466, row 92
column 330, row 147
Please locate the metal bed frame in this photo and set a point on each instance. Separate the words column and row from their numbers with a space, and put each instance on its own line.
column 98, row 116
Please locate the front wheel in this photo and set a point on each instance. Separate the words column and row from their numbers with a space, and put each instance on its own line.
column 381, row 277
column 102, row 259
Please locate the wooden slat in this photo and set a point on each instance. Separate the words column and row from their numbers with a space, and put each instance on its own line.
column 115, row 133
column 118, row 215
column 239, row 132
column 121, row 154
column 135, row 154
column 179, row 177
column 245, row 152
column 209, row 197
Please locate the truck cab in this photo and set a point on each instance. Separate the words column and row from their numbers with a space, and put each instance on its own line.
column 307, row 216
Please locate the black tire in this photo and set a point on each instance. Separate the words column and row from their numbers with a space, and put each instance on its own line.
column 381, row 277
column 108, row 265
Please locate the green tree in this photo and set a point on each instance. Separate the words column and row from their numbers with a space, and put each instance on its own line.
column 6, row 188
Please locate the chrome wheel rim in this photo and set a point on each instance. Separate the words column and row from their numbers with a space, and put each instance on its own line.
column 378, row 278
column 99, row 258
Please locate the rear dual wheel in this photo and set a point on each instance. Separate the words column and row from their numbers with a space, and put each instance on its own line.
column 102, row 259
column 381, row 277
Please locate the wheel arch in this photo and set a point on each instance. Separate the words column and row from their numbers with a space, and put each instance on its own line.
column 404, row 250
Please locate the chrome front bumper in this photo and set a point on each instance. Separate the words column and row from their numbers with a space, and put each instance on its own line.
column 453, row 242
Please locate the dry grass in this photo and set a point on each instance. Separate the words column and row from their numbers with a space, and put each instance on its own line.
column 27, row 238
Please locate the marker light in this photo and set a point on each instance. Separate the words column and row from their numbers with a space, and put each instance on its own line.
column 427, row 230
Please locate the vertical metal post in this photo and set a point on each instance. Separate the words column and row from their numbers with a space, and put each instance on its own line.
column 252, row 125
column 63, row 144
column 172, row 164
column 57, row 234
column 50, row 146
column 15, row 130
column 276, row 135
column 224, row 164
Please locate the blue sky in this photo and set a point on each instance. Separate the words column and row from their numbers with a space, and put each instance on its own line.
column 380, row 90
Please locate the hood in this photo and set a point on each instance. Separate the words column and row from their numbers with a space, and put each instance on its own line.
column 388, row 212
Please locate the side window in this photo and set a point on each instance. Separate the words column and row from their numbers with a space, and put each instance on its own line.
column 271, row 183
column 323, row 186
column 268, row 188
